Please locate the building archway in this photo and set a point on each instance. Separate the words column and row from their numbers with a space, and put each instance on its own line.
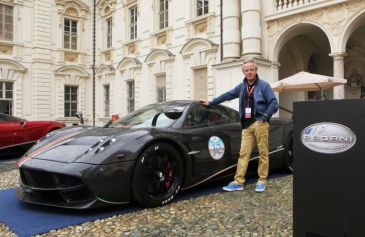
column 354, row 46
column 302, row 47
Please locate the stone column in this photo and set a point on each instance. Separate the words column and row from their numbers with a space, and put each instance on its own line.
column 231, row 30
column 251, row 27
column 338, row 71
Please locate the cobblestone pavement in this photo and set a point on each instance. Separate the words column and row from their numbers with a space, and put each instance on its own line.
column 241, row 213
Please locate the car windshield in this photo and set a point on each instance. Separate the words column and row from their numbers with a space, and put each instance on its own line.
column 143, row 117
column 9, row 118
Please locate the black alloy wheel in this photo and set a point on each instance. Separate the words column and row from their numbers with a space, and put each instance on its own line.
column 157, row 176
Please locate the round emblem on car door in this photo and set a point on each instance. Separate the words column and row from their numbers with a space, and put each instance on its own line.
column 216, row 147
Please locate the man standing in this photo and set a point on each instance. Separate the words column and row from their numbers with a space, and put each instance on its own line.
column 257, row 103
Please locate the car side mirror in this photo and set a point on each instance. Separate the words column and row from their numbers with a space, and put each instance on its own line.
column 22, row 124
column 173, row 114
column 80, row 117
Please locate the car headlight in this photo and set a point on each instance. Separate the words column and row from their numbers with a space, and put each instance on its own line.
column 105, row 145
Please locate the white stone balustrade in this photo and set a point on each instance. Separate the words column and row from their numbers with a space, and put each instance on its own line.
column 289, row 4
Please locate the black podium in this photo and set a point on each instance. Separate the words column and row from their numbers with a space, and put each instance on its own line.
column 329, row 168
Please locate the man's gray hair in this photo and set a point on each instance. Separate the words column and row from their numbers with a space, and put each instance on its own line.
column 249, row 60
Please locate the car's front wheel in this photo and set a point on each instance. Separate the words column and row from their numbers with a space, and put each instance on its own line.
column 157, row 176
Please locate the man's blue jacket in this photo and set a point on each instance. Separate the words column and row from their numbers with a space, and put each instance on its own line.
column 266, row 103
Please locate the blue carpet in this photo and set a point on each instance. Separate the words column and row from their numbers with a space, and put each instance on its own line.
column 26, row 219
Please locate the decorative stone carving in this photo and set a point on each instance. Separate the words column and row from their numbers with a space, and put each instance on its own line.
column 107, row 6
column 200, row 25
column 131, row 49
column 6, row 49
column 161, row 39
column 8, row 1
column 333, row 18
column 272, row 28
column 107, row 55
column 71, row 12
column 129, row 2
column 107, row 10
column 71, row 57
column 200, row 28
column 76, row 4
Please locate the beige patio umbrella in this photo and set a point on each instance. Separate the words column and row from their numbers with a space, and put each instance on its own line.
column 305, row 81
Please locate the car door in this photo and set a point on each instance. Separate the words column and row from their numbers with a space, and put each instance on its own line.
column 8, row 128
column 212, row 138
column 29, row 131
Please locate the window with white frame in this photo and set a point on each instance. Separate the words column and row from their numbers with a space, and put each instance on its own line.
column 70, row 100
column 130, row 96
column 161, row 88
column 6, row 22
column 109, row 32
column 202, row 7
column 107, row 100
column 163, row 13
column 133, row 22
column 70, row 34
column 6, row 97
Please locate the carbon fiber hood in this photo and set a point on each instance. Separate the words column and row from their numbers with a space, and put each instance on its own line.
column 82, row 145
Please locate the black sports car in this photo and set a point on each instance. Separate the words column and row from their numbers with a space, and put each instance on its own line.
column 146, row 156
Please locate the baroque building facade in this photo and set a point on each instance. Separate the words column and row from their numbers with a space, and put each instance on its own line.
column 150, row 51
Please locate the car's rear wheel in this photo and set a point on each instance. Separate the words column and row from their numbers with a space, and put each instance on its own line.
column 289, row 158
column 157, row 176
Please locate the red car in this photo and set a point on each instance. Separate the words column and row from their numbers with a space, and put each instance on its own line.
column 18, row 134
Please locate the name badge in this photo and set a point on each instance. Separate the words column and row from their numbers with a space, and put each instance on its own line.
column 247, row 112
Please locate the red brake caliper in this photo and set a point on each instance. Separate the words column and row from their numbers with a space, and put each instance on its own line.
column 169, row 173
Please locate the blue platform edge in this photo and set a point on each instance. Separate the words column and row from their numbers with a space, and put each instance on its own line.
column 27, row 219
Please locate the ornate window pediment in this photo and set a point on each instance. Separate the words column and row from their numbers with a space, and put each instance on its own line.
column 72, row 70
column 73, row 7
column 128, row 62
column 107, row 7
column 105, row 69
column 159, row 55
column 129, row 2
column 12, row 65
column 198, row 45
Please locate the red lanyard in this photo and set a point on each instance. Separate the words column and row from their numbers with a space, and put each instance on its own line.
column 249, row 92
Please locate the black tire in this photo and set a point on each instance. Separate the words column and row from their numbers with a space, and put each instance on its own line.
column 289, row 158
column 157, row 176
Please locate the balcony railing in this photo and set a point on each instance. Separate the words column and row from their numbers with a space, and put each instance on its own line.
column 289, row 4
column 285, row 7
